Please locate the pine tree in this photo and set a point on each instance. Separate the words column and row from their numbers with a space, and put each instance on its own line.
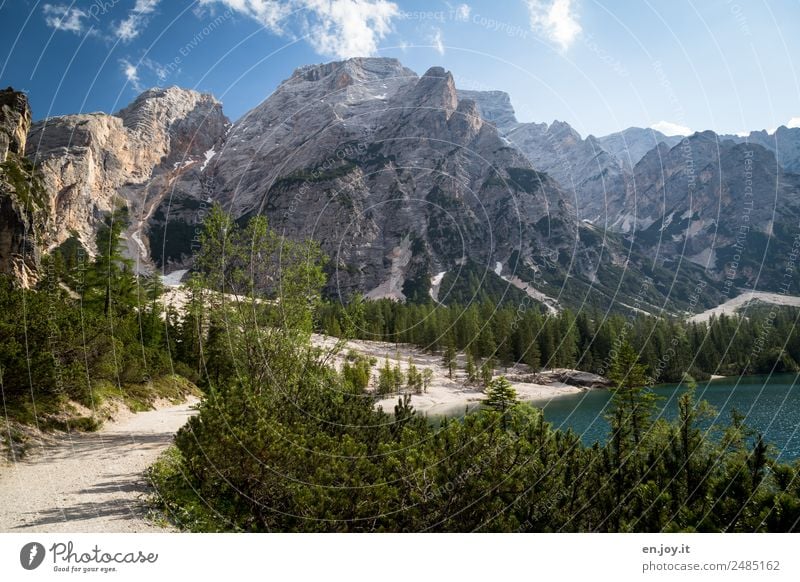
column 110, row 281
column 472, row 373
column 501, row 396
column 413, row 378
column 386, row 378
column 487, row 372
column 427, row 378
column 449, row 360
column 633, row 402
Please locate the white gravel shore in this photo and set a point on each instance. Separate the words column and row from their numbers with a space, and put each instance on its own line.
column 444, row 395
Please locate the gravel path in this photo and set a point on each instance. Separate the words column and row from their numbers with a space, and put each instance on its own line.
column 90, row 482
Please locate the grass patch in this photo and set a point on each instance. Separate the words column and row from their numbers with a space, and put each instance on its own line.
column 50, row 412
column 32, row 412
column 140, row 397
column 174, row 501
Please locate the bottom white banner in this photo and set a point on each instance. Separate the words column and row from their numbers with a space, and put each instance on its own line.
column 386, row 557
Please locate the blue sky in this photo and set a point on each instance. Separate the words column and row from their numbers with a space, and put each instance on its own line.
column 725, row 65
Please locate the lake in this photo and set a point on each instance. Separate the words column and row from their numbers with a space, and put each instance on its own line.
column 771, row 405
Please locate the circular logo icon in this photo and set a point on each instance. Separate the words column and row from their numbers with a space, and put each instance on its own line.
column 31, row 555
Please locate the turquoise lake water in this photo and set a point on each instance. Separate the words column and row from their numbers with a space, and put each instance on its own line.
column 771, row 405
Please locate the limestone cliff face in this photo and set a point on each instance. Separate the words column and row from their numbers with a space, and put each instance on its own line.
column 595, row 179
column 92, row 164
column 22, row 216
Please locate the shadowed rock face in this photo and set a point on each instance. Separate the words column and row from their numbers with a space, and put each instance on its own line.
column 94, row 163
column 15, row 121
column 22, row 219
column 728, row 207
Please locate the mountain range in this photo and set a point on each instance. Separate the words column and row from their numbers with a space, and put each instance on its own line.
column 416, row 190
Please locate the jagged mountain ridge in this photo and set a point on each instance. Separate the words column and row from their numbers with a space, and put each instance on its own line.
column 597, row 172
column 784, row 142
column 401, row 178
column 725, row 203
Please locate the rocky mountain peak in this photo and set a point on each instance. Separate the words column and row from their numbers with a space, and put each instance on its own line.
column 437, row 89
column 630, row 145
column 494, row 106
column 160, row 115
column 562, row 130
column 338, row 75
column 784, row 142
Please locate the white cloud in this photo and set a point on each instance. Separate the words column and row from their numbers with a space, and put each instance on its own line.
column 793, row 122
column 437, row 41
column 462, row 12
column 62, row 17
column 556, row 20
column 270, row 13
column 137, row 19
column 339, row 28
column 348, row 28
column 669, row 128
column 131, row 73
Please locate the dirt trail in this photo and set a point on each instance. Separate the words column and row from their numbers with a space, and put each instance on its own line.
column 91, row 482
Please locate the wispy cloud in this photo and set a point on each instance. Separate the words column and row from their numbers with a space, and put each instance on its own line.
column 131, row 73
column 437, row 41
column 63, row 17
column 669, row 128
column 145, row 67
column 339, row 28
column 136, row 20
column 460, row 12
column 556, row 20
column 793, row 122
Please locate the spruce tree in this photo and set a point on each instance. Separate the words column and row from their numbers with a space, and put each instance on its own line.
column 501, row 396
